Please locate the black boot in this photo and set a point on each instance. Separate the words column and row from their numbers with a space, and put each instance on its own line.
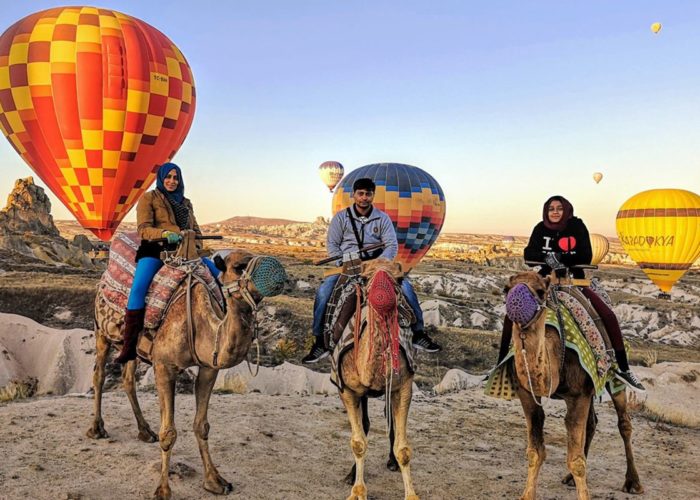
column 133, row 324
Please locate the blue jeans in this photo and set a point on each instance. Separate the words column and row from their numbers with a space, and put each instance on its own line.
column 323, row 295
column 146, row 269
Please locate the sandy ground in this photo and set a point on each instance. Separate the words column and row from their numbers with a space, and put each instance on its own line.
column 466, row 445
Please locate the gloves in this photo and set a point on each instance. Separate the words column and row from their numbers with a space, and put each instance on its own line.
column 552, row 261
column 172, row 237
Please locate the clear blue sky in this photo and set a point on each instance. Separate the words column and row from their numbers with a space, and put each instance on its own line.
column 504, row 103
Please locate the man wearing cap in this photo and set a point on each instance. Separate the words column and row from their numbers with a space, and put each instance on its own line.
column 359, row 226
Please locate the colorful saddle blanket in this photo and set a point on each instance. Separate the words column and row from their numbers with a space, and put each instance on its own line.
column 589, row 329
column 347, row 341
column 502, row 385
column 117, row 279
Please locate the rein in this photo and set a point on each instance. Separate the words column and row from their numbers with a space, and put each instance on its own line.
column 541, row 308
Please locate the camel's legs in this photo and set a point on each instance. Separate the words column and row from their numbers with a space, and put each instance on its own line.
column 624, row 424
column 128, row 378
column 358, row 443
column 577, row 409
column 165, row 382
column 97, row 431
column 534, row 416
column 590, row 432
column 350, row 478
column 400, row 403
column 202, row 388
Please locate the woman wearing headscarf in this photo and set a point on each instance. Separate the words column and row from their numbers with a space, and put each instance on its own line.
column 562, row 240
column 161, row 213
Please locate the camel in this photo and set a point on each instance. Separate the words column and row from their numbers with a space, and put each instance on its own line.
column 171, row 353
column 365, row 373
column 538, row 350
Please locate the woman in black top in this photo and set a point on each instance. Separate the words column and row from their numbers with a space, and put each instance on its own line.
column 562, row 240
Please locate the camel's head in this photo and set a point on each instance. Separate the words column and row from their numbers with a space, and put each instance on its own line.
column 371, row 267
column 525, row 296
column 257, row 276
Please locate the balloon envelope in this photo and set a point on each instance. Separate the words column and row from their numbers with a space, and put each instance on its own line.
column 600, row 246
column 660, row 230
column 410, row 196
column 656, row 27
column 331, row 172
column 93, row 100
column 597, row 177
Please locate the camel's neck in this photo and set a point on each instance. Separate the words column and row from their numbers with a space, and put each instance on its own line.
column 373, row 358
column 536, row 354
column 234, row 332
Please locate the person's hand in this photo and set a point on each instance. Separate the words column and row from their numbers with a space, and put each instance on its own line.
column 172, row 237
column 552, row 261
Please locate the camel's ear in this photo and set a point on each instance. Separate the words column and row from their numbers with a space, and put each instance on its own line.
column 219, row 263
column 509, row 285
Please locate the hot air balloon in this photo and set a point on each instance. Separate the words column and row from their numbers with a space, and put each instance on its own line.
column 597, row 176
column 600, row 246
column 331, row 172
column 660, row 230
column 93, row 100
column 410, row 196
column 655, row 28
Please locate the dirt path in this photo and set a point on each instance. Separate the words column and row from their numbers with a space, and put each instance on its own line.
column 291, row 447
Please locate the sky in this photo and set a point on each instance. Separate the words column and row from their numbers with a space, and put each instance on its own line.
column 504, row 103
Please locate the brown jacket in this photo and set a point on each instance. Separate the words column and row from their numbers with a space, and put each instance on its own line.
column 155, row 215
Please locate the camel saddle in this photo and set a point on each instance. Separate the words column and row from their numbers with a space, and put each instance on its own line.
column 117, row 279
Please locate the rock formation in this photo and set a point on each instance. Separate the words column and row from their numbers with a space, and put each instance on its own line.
column 27, row 228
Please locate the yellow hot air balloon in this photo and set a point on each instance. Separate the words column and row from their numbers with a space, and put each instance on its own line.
column 597, row 176
column 331, row 172
column 600, row 246
column 660, row 230
column 655, row 28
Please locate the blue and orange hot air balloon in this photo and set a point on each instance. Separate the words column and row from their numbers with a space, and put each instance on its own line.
column 411, row 197
column 93, row 100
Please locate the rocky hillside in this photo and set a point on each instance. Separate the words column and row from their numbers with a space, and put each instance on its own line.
column 28, row 233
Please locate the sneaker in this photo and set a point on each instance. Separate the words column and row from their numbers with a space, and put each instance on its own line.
column 630, row 379
column 422, row 342
column 318, row 352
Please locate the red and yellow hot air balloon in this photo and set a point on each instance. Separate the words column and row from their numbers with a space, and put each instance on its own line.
column 411, row 197
column 600, row 246
column 93, row 100
column 331, row 172
column 660, row 230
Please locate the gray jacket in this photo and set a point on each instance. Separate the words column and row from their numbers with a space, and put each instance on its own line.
column 376, row 228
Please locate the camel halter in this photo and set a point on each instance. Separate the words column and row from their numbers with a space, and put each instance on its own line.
column 237, row 290
column 518, row 300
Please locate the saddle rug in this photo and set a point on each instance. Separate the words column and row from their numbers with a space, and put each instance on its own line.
column 347, row 342
column 501, row 385
column 588, row 328
column 117, row 279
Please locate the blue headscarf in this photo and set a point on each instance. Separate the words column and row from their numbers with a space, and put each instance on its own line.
column 179, row 194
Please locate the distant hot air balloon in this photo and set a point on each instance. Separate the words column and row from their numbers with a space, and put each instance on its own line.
column 93, row 100
column 410, row 196
column 655, row 28
column 660, row 230
column 597, row 176
column 331, row 172
column 600, row 246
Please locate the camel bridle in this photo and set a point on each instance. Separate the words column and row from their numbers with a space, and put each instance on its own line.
column 236, row 290
column 541, row 307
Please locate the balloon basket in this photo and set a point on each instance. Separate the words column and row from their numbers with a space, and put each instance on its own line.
column 664, row 296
